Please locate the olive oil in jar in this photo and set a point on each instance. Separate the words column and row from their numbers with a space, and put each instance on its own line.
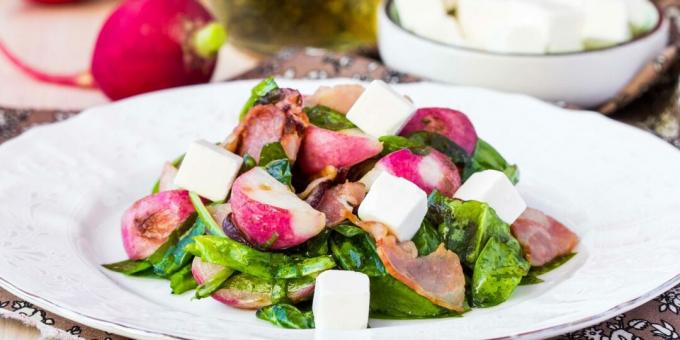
column 266, row 26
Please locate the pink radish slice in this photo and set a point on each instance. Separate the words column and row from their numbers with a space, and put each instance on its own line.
column 150, row 220
column 451, row 123
column 265, row 209
column 340, row 149
column 429, row 172
column 243, row 291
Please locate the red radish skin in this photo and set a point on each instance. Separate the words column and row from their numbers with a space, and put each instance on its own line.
column 145, row 45
column 451, row 123
column 340, row 149
column 429, row 172
column 264, row 209
column 150, row 220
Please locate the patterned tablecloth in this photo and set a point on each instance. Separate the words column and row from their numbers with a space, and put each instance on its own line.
column 657, row 111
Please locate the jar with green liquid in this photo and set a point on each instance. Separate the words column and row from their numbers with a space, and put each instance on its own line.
column 266, row 26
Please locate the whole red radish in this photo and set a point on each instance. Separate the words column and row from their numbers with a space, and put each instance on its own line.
column 148, row 45
column 145, row 45
column 451, row 123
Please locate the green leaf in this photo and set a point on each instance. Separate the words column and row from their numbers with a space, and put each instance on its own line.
column 286, row 316
column 213, row 283
column 356, row 252
column 248, row 163
column 486, row 157
column 395, row 143
column 159, row 255
column 348, row 230
column 426, row 238
column 327, row 118
column 484, row 244
column 205, row 216
column 498, row 271
column 176, row 256
column 280, row 169
column 240, row 257
column 391, row 299
column 260, row 90
column 534, row 273
column 441, row 144
column 129, row 267
column 271, row 152
column 317, row 245
column 182, row 280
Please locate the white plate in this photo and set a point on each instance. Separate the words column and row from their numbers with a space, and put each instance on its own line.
column 63, row 188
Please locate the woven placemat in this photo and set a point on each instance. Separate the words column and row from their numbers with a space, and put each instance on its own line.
column 656, row 111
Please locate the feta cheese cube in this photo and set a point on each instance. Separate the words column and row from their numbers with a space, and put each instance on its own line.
column 396, row 202
column 341, row 300
column 495, row 189
column 642, row 15
column 482, row 20
column 416, row 14
column 444, row 29
column 208, row 170
column 380, row 110
column 606, row 23
column 563, row 23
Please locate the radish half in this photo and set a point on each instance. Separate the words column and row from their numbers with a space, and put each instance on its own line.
column 450, row 123
column 145, row 45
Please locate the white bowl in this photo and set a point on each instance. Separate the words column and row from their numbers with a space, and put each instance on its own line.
column 586, row 79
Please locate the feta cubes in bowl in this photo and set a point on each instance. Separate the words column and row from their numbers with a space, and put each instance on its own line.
column 544, row 48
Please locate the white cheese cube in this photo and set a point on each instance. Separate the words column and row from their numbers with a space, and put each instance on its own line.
column 495, row 189
column 530, row 38
column 606, row 23
column 564, row 24
column 444, row 29
column 482, row 20
column 419, row 13
column 341, row 300
column 642, row 15
column 380, row 110
column 208, row 170
column 396, row 202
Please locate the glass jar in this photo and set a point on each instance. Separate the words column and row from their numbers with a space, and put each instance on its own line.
column 266, row 26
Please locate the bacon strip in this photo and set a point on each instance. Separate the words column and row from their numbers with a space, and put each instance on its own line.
column 437, row 276
column 283, row 121
column 339, row 200
column 542, row 237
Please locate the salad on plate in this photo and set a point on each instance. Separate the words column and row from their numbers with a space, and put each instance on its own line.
column 322, row 210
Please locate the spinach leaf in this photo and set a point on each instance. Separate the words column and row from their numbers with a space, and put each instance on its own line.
column 248, row 163
column 272, row 152
column 129, row 267
column 498, row 271
column 395, row 143
column 260, row 90
column 348, row 230
column 534, row 273
column 441, row 144
column 280, row 169
column 484, row 244
column 392, row 299
column 213, row 283
column 286, row 316
column 182, row 280
column 205, row 216
column 426, row 238
column 356, row 252
column 240, row 257
column 315, row 246
column 146, row 266
column 327, row 118
column 176, row 256
column 486, row 157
